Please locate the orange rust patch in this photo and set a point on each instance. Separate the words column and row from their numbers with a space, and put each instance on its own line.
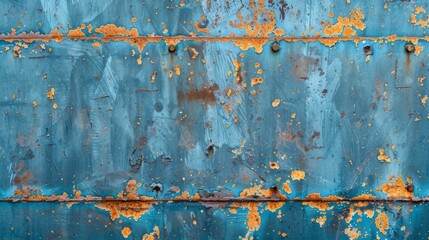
column 110, row 31
column 273, row 206
column 382, row 157
column 262, row 24
column 424, row 100
column 130, row 191
column 316, row 201
column 253, row 220
column 396, row 189
column 275, row 103
column 153, row 235
column 258, row 191
column 420, row 10
column 418, row 50
column 353, row 233
column 30, row 194
column 382, row 222
column 345, row 25
column 297, row 175
column 126, row 209
column 77, row 33
column 205, row 94
column 126, row 231
column 186, row 196
column 51, row 94
column 96, row 44
column 286, row 187
column 364, row 197
column 279, row 32
column 369, row 213
column 321, row 220
column 256, row 81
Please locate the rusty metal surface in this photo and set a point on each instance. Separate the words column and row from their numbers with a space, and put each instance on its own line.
column 213, row 120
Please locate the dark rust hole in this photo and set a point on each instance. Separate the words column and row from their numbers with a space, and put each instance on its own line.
column 367, row 50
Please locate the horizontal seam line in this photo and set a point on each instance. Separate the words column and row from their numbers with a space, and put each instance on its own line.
column 121, row 38
column 214, row 200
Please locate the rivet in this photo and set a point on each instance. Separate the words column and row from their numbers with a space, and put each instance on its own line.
column 172, row 48
column 275, row 47
column 409, row 47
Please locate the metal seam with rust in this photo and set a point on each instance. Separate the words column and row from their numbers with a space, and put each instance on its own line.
column 232, row 200
column 47, row 37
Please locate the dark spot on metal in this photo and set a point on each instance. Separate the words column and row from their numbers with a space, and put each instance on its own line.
column 210, row 151
column 324, row 91
column 167, row 159
column 158, row 107
column 409, row 47
column 275, row 47
column 157, row 187
column 172, row 48
column 410, row 188
column 367, row 50
column 28, row 155
column 137, row 165
column 274, row 190
column 203, row 23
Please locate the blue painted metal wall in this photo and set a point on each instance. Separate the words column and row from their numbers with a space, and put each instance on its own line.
column 213, row 119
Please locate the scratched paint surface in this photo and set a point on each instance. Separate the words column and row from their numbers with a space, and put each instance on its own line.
column 214, row 119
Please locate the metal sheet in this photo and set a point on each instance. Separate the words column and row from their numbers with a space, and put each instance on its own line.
column 213, row 119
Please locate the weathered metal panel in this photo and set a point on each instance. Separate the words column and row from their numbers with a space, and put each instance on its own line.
column 213, row 119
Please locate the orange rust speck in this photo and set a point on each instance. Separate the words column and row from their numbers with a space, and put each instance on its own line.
column 275, row 103
column 274, row 165
column 126, row 231
column 51, row 94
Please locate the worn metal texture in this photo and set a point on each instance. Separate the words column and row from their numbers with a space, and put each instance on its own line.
column 214, row 119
